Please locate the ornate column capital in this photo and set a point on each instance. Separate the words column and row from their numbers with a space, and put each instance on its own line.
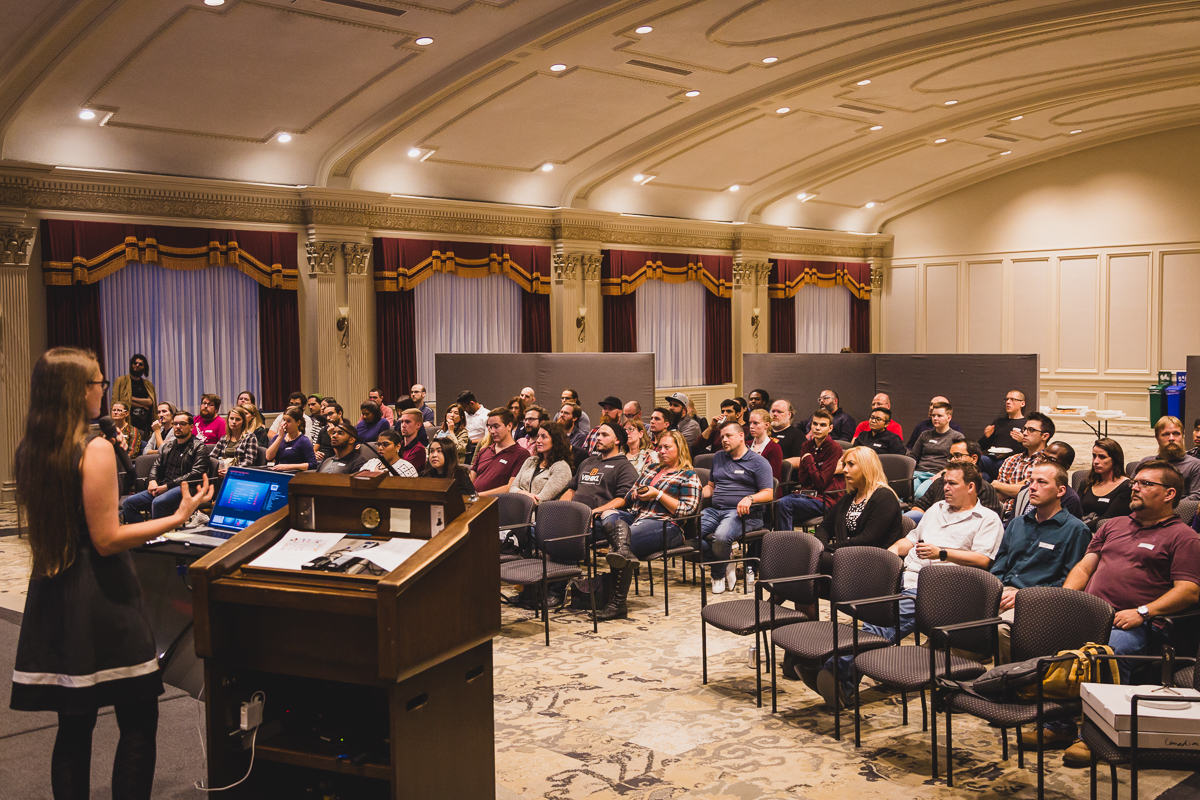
column 321, row 256
column 876, row 278
column 358, row 257
column 590, row 264
column 565, row 266
column 751, row 273
column 14, row 245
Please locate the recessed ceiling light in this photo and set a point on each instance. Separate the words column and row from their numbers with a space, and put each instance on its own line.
column 734, row 188
column 1007, row 153
column 692, row 93
column 864, row 82
column 1017, row 117
column 414, row 152
column 284, row 138
column 939, row 141
column 804, row 197
column 783, row 110
column 647, row 178
column 876, row 127
column 639, row 178
column 643, row 29
column 950, row 103
column 870, row 204
column 1078, row 130
column 87, row 113
column 547, row 167
column 770, row 60
column 214, row 2
column 424, row 40
column 557, row 67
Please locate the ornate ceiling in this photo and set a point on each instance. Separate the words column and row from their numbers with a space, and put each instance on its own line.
column 182, row 88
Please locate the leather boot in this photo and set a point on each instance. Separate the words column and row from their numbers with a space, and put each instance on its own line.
column 616, row 608
column 620, row 554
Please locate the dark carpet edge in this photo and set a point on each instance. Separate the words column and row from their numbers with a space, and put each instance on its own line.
column 8, row 615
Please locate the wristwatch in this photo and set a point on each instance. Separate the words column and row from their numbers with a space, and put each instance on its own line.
column 943, row 555
column 1144, row 611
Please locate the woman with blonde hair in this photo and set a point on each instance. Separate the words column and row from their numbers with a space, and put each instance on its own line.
column 239, row 446
column 258, row 425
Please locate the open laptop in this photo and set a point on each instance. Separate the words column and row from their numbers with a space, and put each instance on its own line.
column 246, row 495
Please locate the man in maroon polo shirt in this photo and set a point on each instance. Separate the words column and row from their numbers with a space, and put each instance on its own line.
column 409, row 425
column 497, row 465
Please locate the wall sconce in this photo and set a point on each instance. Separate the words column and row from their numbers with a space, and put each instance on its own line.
column 343, row 325
column 754, row 321
column 581, row 322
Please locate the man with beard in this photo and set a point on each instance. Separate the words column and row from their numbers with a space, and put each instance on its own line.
column 1169, row 433
column 843, row 423
column 209, row 425
column 137, row 393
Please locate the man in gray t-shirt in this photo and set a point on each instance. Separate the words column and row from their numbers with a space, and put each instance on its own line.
column 740, row 477
column 932, row 448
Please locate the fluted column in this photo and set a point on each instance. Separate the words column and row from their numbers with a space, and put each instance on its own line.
column 360, row 299
column 322, row 277
column 566, row 295
column 593, row 340
column 750, row 323
column 877, row 275
column 16, row 359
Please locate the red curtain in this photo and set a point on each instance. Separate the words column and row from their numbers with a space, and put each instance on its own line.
column 73, row 320
column 718, row 339
column 403, row 263
column 278, row 344
column 396, row 342
column 860, row 325
column 783, row 325
column 535, row 323
column 620, row 323
column 788, row 276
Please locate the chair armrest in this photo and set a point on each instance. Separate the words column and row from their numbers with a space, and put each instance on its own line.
column 517, row 527
column 814, row 577
column 870, row 601
column 567, row 538
column 1167, row 658
column 948, row 630
column 730, row 561
column 1169, row 620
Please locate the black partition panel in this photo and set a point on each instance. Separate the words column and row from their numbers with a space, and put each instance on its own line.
column 800, row 378
column 974, row 384
column 1193, row 373
column 496, row 377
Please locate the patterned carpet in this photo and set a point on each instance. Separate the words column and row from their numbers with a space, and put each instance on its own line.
column 623, row 714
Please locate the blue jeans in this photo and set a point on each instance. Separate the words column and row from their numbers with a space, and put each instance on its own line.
column 914, row 514
column 724, row 525
column 921, row 481
column 797, row 506
column 989, row 467
column 645, row 536
column 135, row 506
column 908, row 621
column 1124, row 643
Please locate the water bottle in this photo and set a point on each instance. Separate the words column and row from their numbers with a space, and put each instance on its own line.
column 750, row 580
column 752, row 654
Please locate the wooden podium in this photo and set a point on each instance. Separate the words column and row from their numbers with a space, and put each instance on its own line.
column 374, row 686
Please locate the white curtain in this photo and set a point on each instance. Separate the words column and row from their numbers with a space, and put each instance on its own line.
column 822, row 319
column 465, row 315
column 670, row 324
column 198, row 328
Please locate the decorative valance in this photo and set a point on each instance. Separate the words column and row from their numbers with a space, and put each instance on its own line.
column 76, row 252
column 401, row 264
column 623, row 271
column 788, row 276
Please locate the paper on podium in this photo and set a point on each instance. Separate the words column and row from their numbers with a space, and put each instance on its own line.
column 392, row 553
column 297, row 548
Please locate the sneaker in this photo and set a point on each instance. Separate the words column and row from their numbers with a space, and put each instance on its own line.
column 1077, row 755
column 731, row 577
column 197, row 520
column 718, row 586
column 831, row 691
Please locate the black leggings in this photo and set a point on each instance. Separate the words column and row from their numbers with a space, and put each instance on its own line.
column 133, row 768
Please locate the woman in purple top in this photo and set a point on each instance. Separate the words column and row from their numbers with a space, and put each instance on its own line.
column 372, row 423
column 292, row 451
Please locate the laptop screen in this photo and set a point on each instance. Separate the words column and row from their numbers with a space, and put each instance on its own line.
column 247, row 495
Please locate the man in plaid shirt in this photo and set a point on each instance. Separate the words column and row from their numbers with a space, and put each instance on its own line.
column 1016, row 470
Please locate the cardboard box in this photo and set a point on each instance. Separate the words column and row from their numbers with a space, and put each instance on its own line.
column 1161, row 725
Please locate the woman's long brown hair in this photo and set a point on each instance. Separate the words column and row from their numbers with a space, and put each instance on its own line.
column 49, row 479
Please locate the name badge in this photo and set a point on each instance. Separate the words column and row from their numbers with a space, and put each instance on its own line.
column 1146, row 545
column 739, row 472
column 608, row 466
column 1046, row 545
column 1103, row 499
column 502, row 461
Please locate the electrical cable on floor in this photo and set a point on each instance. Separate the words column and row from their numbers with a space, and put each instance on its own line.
column 253, row 740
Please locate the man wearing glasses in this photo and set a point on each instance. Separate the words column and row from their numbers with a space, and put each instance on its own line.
column 1004, row 433
column 884, row 401
column 180, row 459
column 843, row 423
column 879, row 436
column 1015, row 471
column 1145, row 565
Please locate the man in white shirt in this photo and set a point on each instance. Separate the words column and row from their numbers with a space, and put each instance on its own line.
column 476, row 416
column 957, row 530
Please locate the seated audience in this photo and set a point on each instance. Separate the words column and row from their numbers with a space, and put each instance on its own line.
column 569, row 416
column 528, row 396
column 389, row 445
column 535, row 417
column 1015, row 471
column 257, row 423
column 1145, row 565
column 963, row 451
column 1004, row 432
column 1169, row 433
column 818, row 487
column 1195, row 451
column 932, row 450
column 372, row 422
column 313, row 415
column 879, row 401
column 209, row 424
column 475, row 415
column 344, row 456
column 879, row 436
column 442, row 462
column 786, row 435
column 759, row 398
column 661, row 420
column 695, row 415
column 246, row 396
column 161, row 427
column 385, row 411
column 181, row 458
column 292, row 451
column 132, row 436
column 239, row 446
column 640, row 451
column 956, row 530
column 585, row 422
column 665, row 491
column 927, row 424
column 1105, row 492
column 632, row 411
column 709, row 441
column 297, row 399
column 409, row 425
column 679, row 403
column 417, row 395
column 1040, row 546
column 741, row 482
column 843, row 423
column 1064, row 455
column 761, row 442
column 610, row 412
column 517, row 406
column 545, row 475
column 497, row 463
column 333, row 416
column 454, row 427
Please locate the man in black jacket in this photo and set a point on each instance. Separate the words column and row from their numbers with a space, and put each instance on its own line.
column 181, row 459
column 878, row 437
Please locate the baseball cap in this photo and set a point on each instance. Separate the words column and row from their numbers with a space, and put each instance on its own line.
column 611, row 402
column 681, row 398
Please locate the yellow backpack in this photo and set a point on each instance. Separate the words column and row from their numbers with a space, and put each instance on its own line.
column 1063, row 678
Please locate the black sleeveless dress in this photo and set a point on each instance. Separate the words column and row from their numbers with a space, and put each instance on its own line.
column 85, row 638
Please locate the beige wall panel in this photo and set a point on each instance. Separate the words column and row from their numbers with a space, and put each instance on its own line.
column 1074, row 397
column 1077, row 296
column 900, row 299
column 1134, row 404
column 984, row 317
column 1128, row 319
column 1180, row 308
column 1031, row 313
column 941, row 308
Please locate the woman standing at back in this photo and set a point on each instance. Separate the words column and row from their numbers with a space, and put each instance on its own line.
column 85, row 639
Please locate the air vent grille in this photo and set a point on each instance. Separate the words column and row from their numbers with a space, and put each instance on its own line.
column 379, row 9
column 860, row 109
column 661, row 68
column 998, row 136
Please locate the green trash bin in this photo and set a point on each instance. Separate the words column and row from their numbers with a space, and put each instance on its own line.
column 1158, row 402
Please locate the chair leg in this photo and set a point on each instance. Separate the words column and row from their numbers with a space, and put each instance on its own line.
column 758, row 651
column 667, row 587
column 933, row 743
column 1041, row 754
column 924, row 712
column 1004, row 742
column 650, row 576
column 904, row 708
column 949, row 747
column 704, row 650
column 1092, row 776
column 1112, row 774
column 546, row 609
column 1020, row 749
